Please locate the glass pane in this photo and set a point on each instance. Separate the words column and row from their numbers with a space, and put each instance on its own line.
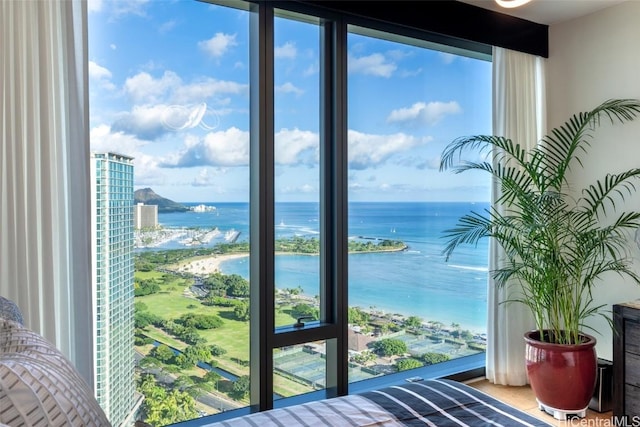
column 297, row 187
column 408, row 308
column 169, row 90
column 299, row 369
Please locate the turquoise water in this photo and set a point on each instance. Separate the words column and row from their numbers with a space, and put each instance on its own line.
column 417, row 281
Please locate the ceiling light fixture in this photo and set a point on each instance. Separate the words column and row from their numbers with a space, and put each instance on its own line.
column 510, row 4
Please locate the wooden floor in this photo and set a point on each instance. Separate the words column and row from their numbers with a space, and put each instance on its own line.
column 523, row 398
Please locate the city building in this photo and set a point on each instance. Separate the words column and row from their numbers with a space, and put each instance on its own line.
column 112, row 284
column 145, row 216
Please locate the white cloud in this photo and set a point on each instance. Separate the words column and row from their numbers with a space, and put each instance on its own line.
column 167, row 26
column 311, row 70
column 218, row 45
column 129, row 7
column 289, row 88
column 303, row 188
column 399, row 54
column 411, row 73
column 94, row 5
column 101, row 75
column 374, row 65
column 287, row 50
column 207, row 177
column 146, row 169
column 447, row 58
column 205, row 89
column 230, row 148
column 144, row 88
column 144, row 121
column 367, row 150
column 226, row 148
column 113, row 46
column 98, row 72
column 103, row 139
column 421, row 162
column 294, row 147
column 118, row 8
column 424, row 113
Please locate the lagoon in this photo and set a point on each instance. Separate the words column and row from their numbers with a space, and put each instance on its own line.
column 417, row 281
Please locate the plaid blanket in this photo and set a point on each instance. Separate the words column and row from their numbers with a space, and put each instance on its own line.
column 424, row 403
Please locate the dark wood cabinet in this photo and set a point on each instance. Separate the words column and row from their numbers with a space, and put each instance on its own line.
column 626, row 360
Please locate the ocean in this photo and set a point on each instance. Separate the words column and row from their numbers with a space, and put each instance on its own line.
column 416, row 281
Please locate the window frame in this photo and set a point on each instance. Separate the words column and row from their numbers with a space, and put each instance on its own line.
column 333, row 324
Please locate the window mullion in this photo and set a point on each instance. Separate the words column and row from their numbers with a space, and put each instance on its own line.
column 262, row 206
column 333, row 211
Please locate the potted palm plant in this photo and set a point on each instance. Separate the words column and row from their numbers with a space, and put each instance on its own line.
column 557, row 243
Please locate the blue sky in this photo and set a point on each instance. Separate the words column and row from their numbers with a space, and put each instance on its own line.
column 169, row 85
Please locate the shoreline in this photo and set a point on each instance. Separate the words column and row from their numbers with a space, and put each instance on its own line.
column 205, row 266
column 213, row 263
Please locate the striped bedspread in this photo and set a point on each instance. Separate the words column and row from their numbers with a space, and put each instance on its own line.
column 423, row 403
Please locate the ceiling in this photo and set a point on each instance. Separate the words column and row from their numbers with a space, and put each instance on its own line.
column 549, row 11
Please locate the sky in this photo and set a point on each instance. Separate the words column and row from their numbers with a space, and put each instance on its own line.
column 169, row 86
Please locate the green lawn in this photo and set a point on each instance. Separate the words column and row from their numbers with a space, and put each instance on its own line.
column 233, row 336
column 172, row 302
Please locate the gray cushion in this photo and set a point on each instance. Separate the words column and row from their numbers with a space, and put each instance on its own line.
column 10, row 311
column 39, row 387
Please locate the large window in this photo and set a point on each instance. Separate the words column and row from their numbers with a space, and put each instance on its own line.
column 408, row 307
column 286, row 225
column 169, row 87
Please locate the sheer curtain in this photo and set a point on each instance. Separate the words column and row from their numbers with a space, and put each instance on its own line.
column 519, row 114
column 44, row 171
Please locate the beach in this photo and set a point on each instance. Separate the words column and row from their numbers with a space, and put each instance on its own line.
column 206, row 266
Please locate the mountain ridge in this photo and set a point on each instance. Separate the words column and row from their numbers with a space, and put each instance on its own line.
column 149, row 197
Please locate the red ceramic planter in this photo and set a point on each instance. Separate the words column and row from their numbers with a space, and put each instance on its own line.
column 562, row 377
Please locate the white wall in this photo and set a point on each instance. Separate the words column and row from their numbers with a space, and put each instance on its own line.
column 592, row 59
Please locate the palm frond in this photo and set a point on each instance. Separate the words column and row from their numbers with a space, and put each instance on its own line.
column 555, row 247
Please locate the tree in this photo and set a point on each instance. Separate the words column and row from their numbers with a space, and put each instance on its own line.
column 410, row 363
column 142, row 319
column 163, row 407
column 364, row 357
column 304, row 310
column 163, row 353
column 145, row 287
column 183, row 361
column 216, row 350
column 211, row 379
column 241, row 386
column 237, row 286
column 216, row 285
column 149, row 362
column 139, row 306
column 389, row 347
column 183, row 382
column 198, row 353
column 433, row 358
column 200, row 321
column 358, row 317
column 242, row 312
column 412, row 322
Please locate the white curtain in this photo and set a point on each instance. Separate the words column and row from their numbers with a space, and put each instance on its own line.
column 44, row 171
column 519, row 114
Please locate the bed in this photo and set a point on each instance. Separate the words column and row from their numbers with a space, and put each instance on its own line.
column 437, row 402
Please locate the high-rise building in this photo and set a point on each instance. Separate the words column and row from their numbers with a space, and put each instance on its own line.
column 145, row 216
column 112, row 284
